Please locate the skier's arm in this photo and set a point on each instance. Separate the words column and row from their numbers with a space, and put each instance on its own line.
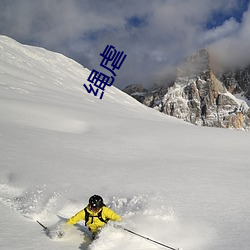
column 77, row 217
column 110, row 214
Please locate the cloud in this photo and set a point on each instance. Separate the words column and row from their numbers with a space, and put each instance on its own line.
column 233, row 49
column 155, row 35
column 228, row 28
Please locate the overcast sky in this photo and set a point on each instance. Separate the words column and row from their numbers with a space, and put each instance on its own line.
column 154, row 34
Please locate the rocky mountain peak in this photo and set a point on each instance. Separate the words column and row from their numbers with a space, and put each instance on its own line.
column 196, row 64
column 202, row 97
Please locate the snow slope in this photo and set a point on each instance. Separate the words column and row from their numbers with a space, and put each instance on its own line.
column 176, row 183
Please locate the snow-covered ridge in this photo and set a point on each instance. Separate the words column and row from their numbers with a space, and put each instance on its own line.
column 182, row 185
column 36, row 73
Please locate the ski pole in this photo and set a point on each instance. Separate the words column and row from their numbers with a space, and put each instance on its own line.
column 45, row 228
column 146, row 238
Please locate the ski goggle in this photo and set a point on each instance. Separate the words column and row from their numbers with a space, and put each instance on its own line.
column 94, row 208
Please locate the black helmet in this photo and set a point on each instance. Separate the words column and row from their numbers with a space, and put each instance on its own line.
column 96, row 202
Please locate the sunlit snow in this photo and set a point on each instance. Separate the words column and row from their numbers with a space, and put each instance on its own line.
column 182, row 185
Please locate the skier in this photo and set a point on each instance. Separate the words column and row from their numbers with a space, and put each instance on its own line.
column 95, row 214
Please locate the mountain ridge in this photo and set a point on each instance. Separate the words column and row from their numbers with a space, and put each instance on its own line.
column 201, row 95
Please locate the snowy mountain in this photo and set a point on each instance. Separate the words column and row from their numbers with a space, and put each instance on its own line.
column 182, row 185
column 237, row 81
column 201, row 96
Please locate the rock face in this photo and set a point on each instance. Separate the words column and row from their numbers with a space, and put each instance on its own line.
column 137, row 91
column 201, row 97
column 237, row 81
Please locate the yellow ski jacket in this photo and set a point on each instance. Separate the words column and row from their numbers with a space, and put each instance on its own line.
column 94, row 223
